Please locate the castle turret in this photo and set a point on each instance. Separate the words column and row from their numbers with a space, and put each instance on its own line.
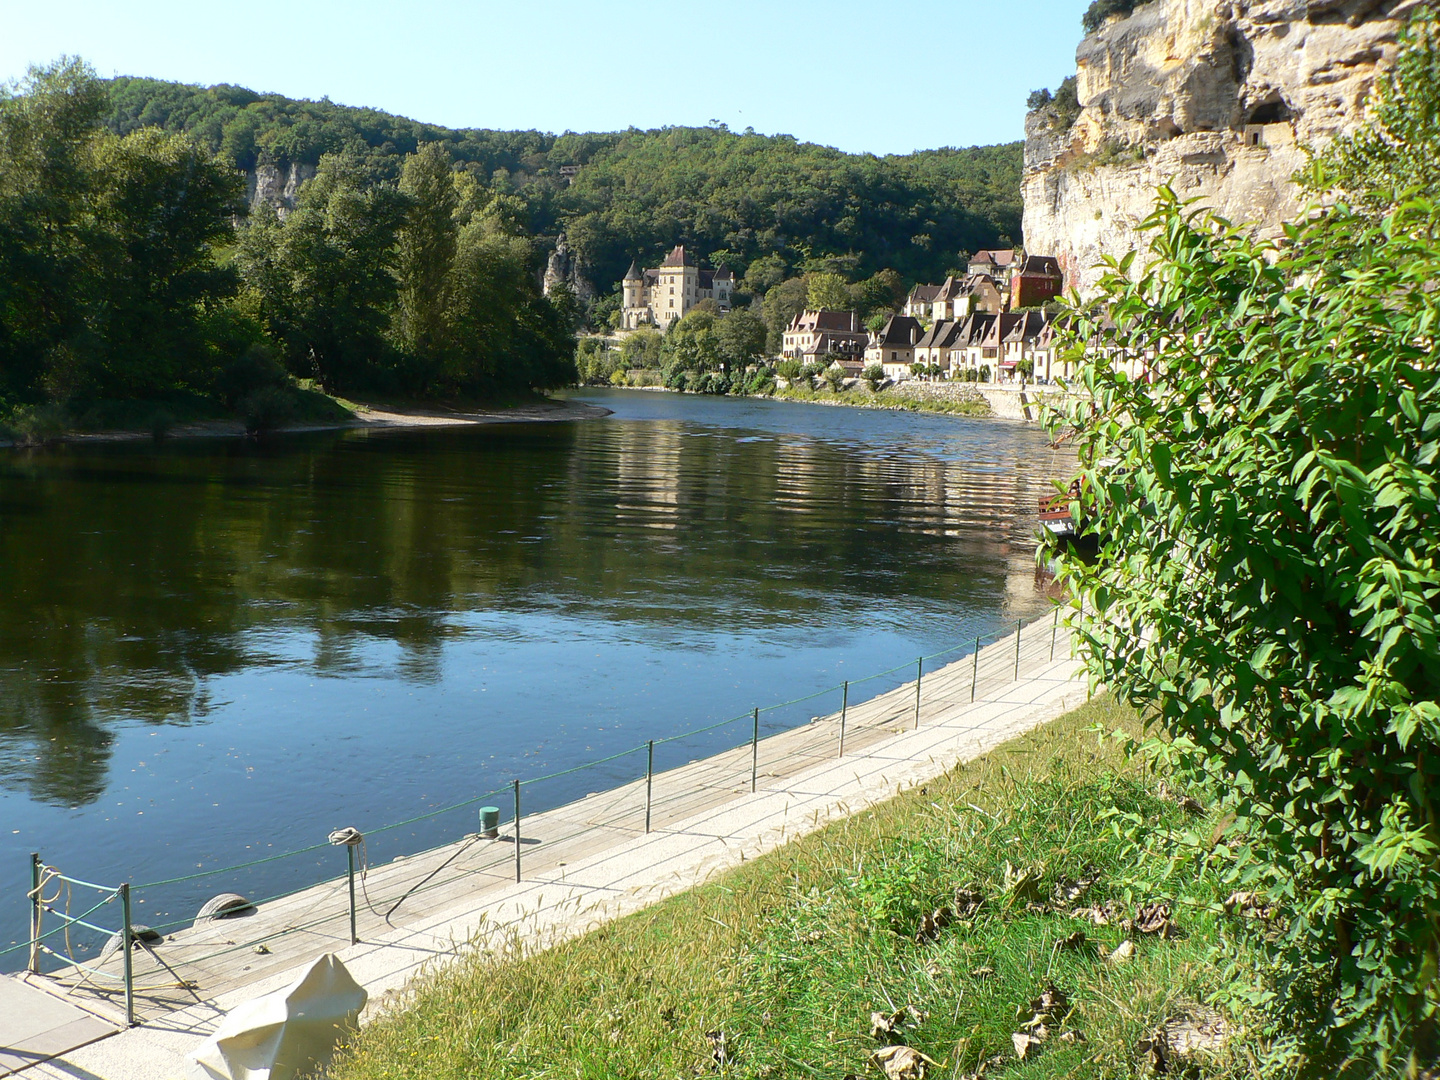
column 632, row 296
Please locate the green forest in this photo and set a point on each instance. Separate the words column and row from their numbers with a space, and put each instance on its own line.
column 131, row 271
column 729, row 197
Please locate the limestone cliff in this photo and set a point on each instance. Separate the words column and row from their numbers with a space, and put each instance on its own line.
column 1214, row 98
column 276, row 186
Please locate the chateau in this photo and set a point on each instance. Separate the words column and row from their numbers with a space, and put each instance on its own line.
column 658, row 297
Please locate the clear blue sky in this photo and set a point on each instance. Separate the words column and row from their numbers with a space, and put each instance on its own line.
column 881, row 77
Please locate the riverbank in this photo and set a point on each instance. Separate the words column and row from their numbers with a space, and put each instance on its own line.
column 1025, row 402
column 986, row 918
column 344, row 415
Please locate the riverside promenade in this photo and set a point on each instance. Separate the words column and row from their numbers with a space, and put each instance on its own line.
column 586, row 863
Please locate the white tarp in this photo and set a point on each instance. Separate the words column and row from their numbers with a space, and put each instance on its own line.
column 285, row 1033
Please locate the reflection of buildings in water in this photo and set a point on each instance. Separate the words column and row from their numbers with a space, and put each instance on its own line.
column 647, row 475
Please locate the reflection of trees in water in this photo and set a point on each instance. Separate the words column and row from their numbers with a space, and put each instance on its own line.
column 129, row 577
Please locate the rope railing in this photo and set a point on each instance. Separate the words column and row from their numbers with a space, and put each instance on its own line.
column 887, row 712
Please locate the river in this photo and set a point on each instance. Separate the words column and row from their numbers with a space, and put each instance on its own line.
column 216, row 650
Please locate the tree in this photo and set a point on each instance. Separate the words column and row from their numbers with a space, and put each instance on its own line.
column 425, row 251
column 826, row 292
column 873, row 375
column 641, row 349
column 739, row 339
column 1396, row 152
column 324, row 278
column 878, row 296
column 782, row 303
column 1268, row 585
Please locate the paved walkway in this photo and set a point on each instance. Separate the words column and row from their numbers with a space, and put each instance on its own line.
column 611, row 867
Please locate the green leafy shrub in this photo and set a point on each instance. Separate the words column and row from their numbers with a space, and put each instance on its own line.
column 267, row 409
column 1269, row 584
column 35, row 425
column 874, row 376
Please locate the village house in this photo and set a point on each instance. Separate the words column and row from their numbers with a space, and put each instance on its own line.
column 957, row 297
column 920, row 301
column 893, row 348
column 969, row 349
column 826, row 337
column 938, row 343
column 997, row 264
column 1037, row 280
column 660, row 296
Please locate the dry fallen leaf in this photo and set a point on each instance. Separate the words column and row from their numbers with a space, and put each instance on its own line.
column 1021, row 885
column 967, row 902
column 1123, row 954
column 1072, row 942
column 1067, row 891
column 1153, row 919
column 1073, row 1037
column 932, row 924
column 902, row 1062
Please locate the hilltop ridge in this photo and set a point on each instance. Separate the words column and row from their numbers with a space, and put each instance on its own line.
column 730, row 196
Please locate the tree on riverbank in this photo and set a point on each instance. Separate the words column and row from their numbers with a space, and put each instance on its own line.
column 116, row 281
column 1268, row 585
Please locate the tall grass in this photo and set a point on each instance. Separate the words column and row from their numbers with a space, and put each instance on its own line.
column 790, row 954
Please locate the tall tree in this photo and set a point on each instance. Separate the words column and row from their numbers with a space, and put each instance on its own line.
column 425, row 251
column 324, row 278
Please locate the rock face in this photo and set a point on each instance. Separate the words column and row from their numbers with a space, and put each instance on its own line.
column 564, row 267
column 277, row 187
column 1215, row 98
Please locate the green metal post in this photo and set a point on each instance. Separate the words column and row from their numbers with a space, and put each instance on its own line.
column 517, row 831
column 1018, row 624
column 126, row 945
column 35, row 913
column 919, row 671
column 1055, row 629
column 649, row 780
column 975, row 672
column 755, row 752
column 350, row 860
column 844, row 708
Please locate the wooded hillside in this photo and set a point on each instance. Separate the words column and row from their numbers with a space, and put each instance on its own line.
column 727, row 196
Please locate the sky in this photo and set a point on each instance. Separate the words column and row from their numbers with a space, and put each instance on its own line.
column 861, row 76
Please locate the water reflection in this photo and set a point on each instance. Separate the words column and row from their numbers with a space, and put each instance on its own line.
column 132, row 577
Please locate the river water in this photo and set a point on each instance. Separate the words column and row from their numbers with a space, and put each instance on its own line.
column 212, row 651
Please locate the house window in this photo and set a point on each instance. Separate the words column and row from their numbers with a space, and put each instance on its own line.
column 672, row 293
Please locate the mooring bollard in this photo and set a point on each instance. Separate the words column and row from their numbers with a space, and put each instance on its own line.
column 127, row 943
column 755, row 752
column 35, row 913
column 1018, row 624
column 919, row 672
column 844, row 708
column 490, row 822
column 517, row 831
column 649, row 780
column 975, row 672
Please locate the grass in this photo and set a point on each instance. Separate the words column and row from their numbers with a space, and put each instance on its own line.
column 789, row 954
column 864, row 398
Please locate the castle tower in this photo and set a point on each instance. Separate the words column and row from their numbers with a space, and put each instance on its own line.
column 632, row 299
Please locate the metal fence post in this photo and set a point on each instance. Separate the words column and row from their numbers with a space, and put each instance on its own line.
column 919, row 672
column 1018, row 625
column 350, row 871
column 35, row 913
column 844, row 708
column 517, row 831
column 975, row 672
column 755, row 752
column 649, row 780
column 1053, row 631
column 126, row 945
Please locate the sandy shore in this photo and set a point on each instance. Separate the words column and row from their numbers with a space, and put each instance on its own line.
column 366, row 416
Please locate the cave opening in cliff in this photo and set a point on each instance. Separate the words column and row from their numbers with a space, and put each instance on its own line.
column 1271, row 111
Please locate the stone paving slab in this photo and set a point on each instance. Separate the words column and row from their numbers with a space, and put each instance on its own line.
column 39, row 1026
